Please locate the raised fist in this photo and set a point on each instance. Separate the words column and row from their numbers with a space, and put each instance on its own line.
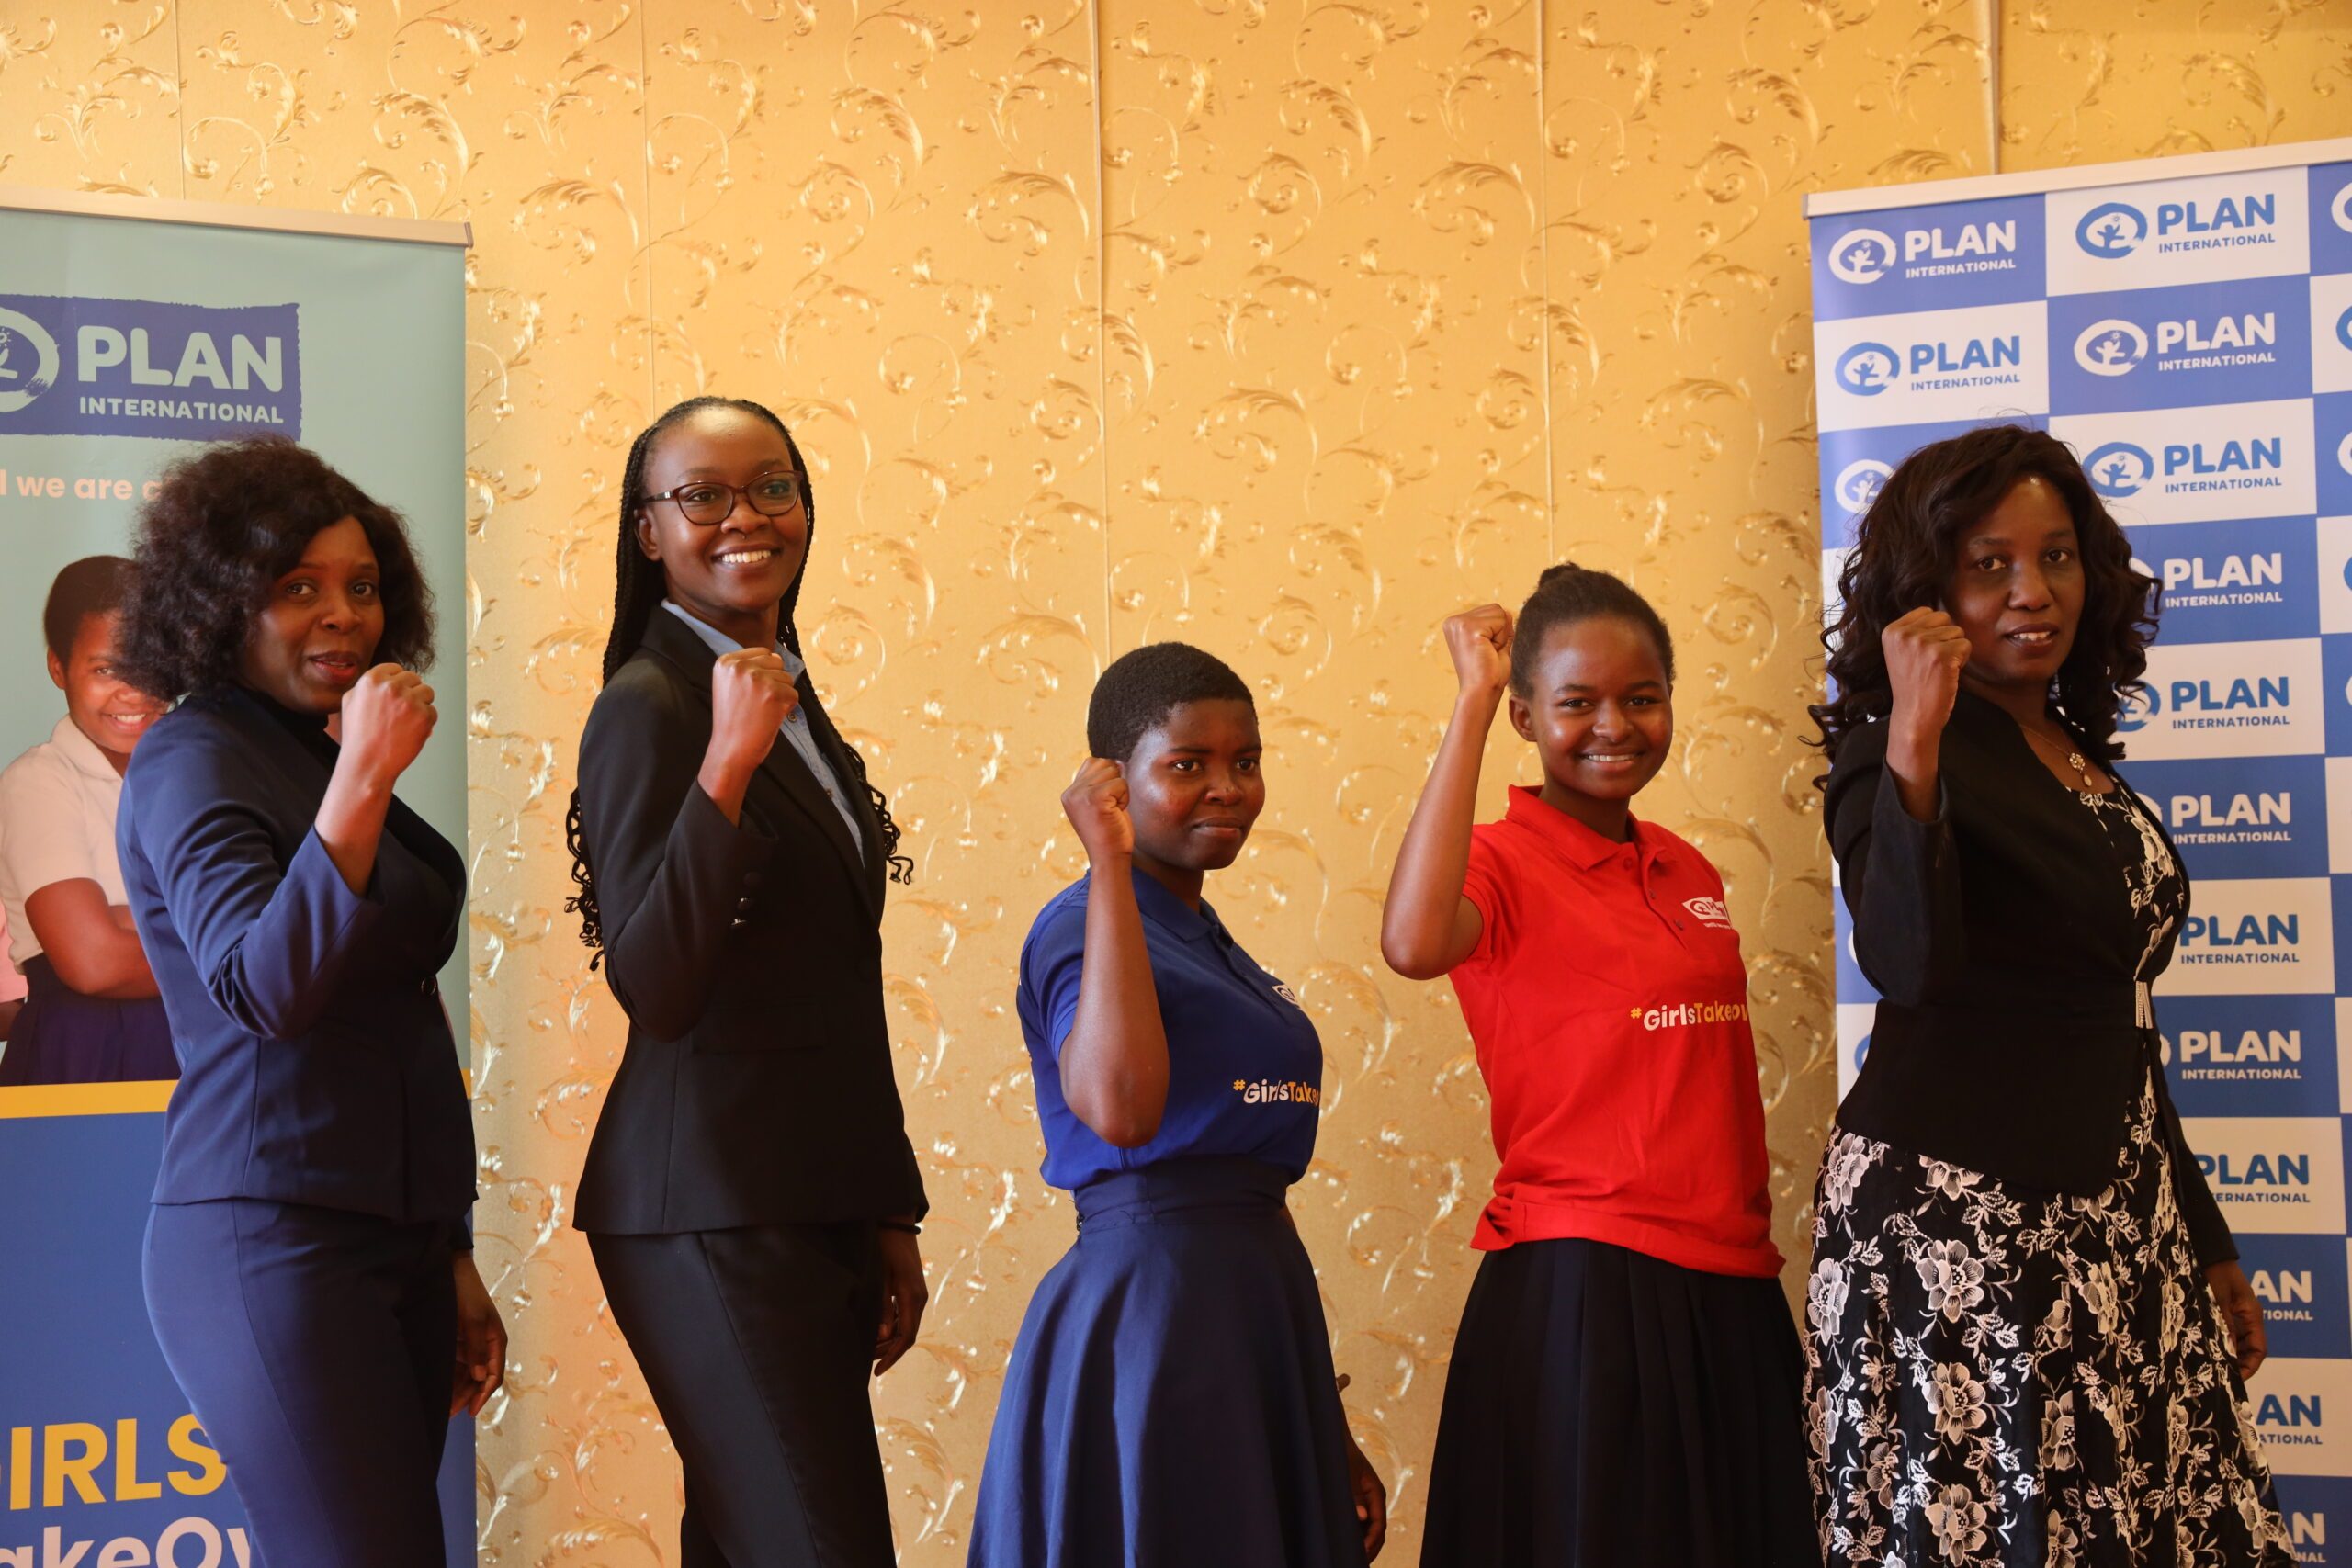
column 387, row 718
column 1096, row 801
column 1479, row 641
column 751, row 696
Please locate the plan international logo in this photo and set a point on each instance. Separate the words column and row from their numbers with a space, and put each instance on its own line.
column 2331, row 333
column 2251, row 1055
column 2173, row 231
column 1858, row 483
column 2241, row 816
column 2228, row 699
column 2255, row 936
column 2234, row 582
column 1925, row 259
column 2224, row 343
column 2293, row 1403
column 1941, row 364
column 73, row 366
column 2273, row 1174
column 2194, row 465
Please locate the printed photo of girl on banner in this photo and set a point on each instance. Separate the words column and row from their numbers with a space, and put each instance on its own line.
column 90, row 1012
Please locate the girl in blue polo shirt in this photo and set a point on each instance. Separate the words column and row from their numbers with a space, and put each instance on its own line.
column 1171, row 1400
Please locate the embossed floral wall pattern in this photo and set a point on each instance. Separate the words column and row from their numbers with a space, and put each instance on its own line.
column 1282, row 326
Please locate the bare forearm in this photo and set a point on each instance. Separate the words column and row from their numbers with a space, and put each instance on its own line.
column 126, row 976
column 350, row 822
column 1420, row 928
column 1114, row 1063
column 89, row 941
column 726, row 781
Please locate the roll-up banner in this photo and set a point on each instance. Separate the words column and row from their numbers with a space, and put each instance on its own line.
column 2185, row 324
column 131, row 332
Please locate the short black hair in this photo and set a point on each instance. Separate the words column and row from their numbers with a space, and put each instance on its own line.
column 1144, row 685
column 94, row 585
column 226, row 522
column 1567, row 594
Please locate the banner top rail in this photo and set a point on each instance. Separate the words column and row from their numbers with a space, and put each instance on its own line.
column 2138, row 171
column 224, row 215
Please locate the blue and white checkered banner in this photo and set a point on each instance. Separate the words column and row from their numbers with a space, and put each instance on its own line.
column 2185, row 324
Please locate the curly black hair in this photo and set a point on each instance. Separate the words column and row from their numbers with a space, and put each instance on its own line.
column 1905, row 551
column 1567, row 594
column 227, row 522
column 637, row 590
column 1140, row 688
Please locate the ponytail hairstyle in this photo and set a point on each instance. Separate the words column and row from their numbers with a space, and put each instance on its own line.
column 1567, row 594
column 638, row 587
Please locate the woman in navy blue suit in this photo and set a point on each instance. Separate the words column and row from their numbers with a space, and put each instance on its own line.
column 308, row 1266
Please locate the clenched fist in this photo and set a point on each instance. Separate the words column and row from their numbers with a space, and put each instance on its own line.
column 387, row 718
column 751, row 696
column 1096, row 803
column 1479, row 641
column 1926, row 651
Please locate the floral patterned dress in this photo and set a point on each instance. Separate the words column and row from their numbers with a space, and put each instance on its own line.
column 2027, row 1380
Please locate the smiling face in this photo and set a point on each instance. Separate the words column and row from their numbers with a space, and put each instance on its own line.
column 1601, row 714
column 317, row 634
column 730, row 575
column 112, row 714
column 1194, row 786
column 2017, row 589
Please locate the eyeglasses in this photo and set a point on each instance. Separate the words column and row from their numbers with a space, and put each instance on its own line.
column 708, row 503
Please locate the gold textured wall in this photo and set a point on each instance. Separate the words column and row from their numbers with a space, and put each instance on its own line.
column 1283, row 326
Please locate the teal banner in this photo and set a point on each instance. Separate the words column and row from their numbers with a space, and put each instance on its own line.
column 131, row 332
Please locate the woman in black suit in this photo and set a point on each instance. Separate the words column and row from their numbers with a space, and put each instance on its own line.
column 2023, row 1299
column 750, row 1195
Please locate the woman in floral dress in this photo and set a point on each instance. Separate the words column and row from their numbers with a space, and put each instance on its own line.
column 2027, row 1329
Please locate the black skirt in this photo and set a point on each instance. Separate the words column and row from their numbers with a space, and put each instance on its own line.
column 1606, row 1408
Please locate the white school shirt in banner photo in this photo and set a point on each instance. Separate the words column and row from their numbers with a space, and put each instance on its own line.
column 57, row 806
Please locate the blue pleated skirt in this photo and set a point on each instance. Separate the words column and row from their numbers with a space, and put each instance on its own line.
column 1170, row 1402
column 63, row 1036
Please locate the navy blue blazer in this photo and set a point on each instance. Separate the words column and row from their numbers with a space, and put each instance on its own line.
column 316, row 1060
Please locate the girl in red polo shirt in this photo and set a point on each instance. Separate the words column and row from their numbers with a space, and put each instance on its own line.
column 1627, row 1385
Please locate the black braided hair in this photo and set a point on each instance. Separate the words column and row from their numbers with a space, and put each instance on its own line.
column 638, row 587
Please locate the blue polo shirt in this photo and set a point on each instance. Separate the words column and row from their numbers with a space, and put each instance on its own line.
column 1245, row 1065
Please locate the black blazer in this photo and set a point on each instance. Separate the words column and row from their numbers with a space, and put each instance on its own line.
column 316, row 1060
column 2004, row 952
column 756, row 1088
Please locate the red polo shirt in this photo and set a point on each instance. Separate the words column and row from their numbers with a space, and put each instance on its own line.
column 1609, row 1006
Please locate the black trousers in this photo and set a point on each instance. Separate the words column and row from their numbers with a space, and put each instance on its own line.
column 757, row 1344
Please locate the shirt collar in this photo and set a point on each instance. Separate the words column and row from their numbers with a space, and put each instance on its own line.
column 306, row 724
column 1171, row 913
column 82, row 752
column 720, row 642
column 1583, row 847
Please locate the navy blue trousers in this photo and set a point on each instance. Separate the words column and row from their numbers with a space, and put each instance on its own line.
column 317, row 1346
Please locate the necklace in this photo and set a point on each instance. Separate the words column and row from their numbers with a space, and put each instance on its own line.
column 2074, row 758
